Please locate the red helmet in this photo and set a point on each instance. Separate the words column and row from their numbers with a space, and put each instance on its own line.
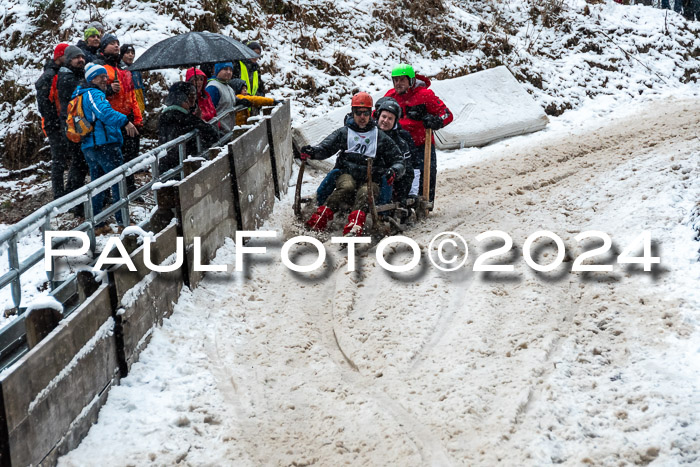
column 361, row 99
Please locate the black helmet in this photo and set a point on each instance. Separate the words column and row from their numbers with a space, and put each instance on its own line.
column 388, row 104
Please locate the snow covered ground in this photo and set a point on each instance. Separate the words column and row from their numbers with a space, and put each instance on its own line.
column 461, row 368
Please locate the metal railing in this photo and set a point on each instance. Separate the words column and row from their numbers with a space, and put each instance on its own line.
column 41, row 218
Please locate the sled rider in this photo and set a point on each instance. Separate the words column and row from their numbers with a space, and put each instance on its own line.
column 422, row 110
column 357, row 141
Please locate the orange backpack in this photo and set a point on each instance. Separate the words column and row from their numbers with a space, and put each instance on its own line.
column 78, row 124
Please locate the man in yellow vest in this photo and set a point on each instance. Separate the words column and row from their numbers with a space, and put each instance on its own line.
column 249, row 71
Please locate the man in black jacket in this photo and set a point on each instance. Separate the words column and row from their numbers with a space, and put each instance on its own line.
column 69, row 76
column 357, row 141
column 47, row 101
column 177, row 119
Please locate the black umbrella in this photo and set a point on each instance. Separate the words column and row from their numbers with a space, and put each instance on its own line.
column 191, row 49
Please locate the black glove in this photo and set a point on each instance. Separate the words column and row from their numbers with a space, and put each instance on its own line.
column 307, row 152
column 433, row 122
column 416, row 112
column 245, row 102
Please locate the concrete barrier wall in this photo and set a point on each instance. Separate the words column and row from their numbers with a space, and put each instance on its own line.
column 52, row 395
column 145, row 297
column 252, row 169
column 279, row 133
column 208, row 211
column 57, row 388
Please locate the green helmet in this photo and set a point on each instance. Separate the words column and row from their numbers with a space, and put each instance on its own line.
column 403, row 70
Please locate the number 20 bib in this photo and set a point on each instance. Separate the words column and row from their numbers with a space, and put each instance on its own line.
column 363, row 143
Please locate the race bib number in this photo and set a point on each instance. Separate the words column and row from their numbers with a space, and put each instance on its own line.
column 363, row 143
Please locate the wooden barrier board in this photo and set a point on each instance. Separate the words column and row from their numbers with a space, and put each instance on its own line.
column 47, row 389
column 250, row 156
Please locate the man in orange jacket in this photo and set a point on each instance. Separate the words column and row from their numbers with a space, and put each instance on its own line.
column 121, row 96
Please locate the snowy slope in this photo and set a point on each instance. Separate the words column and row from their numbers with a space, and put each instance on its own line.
column 463, row 368
column 320, row 52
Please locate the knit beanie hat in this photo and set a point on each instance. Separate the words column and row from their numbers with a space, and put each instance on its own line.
column 237, row 85
column 106, row 40
column 71, row 52
column 220, row 66
column 91, row 32
column 59, row 51
column 92, row 71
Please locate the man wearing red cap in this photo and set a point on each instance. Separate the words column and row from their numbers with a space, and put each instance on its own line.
column 358, row 141
column 49, row 108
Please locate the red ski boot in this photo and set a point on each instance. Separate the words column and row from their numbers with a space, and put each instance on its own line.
column 355, row 225
column 319, row 219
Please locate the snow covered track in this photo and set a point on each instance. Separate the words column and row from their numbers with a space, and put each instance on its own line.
column 449, row 368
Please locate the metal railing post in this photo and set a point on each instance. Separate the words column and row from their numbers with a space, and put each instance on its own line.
column 123, row 195
column 199, row 143
column 154, row 176
column 182, row 153
column 52, row 273
column 90, row 217
column 14, row 265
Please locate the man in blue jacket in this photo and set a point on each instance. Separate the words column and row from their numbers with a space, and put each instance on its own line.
column 102, row 147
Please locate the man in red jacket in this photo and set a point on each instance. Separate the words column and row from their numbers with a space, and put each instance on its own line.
column 422, row 110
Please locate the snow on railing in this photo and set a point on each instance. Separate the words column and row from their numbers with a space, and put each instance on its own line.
column 41, row 218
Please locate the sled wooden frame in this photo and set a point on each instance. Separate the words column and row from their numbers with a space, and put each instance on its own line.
column 297, row 190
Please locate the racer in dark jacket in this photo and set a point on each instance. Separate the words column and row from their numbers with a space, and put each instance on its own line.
column 387, row 114
column 422, row 110
column 49, row 108
column 355, row 142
